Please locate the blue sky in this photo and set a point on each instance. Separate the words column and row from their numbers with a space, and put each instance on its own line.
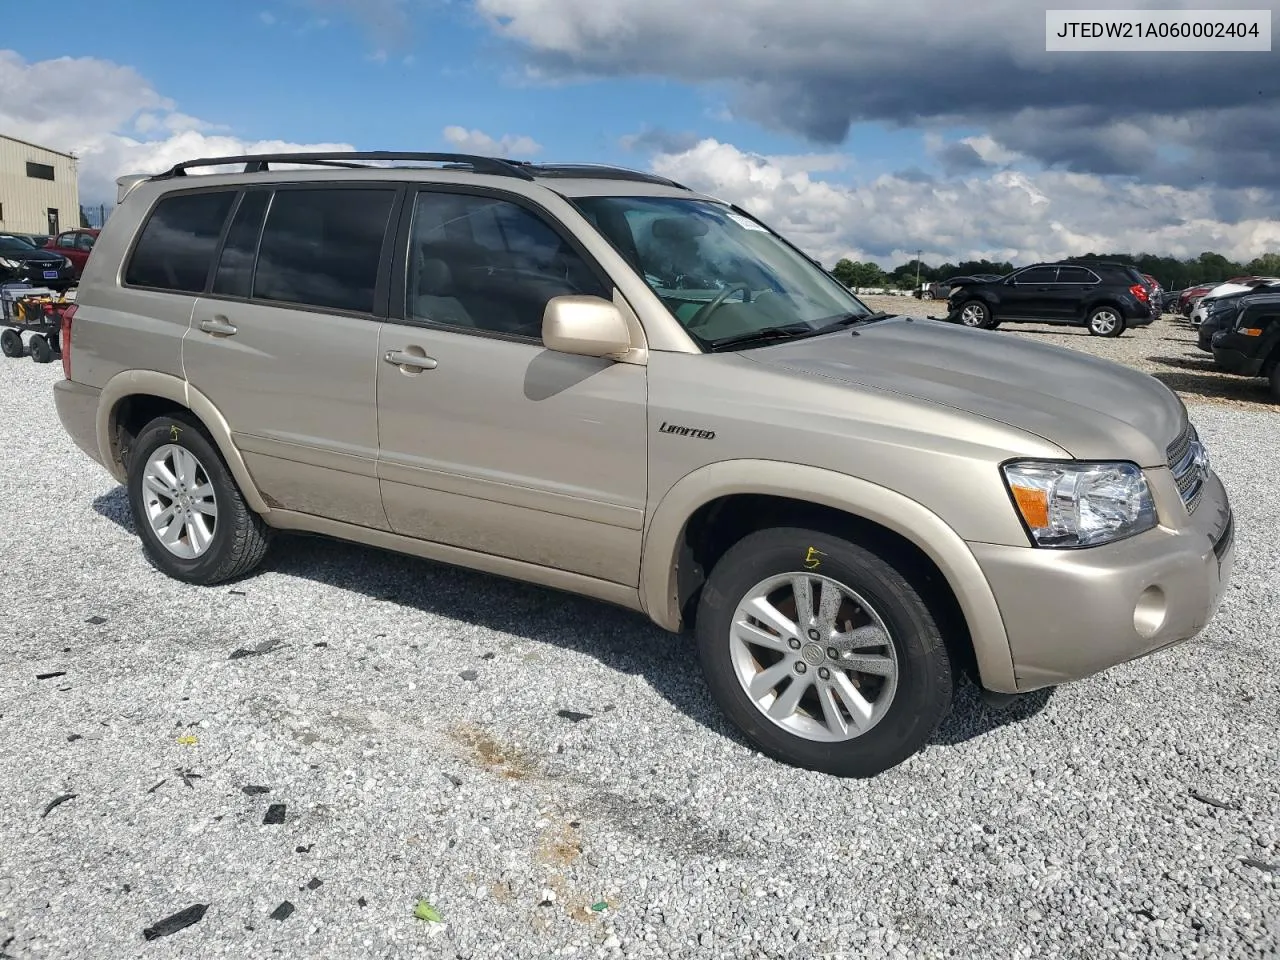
column 861, row 128
column 307, row 72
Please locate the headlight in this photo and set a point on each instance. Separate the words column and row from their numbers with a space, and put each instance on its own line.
column 9, row 264
column 1080, row 504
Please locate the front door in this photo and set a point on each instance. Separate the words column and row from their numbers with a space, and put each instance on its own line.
column 52, row 213
column 489, row 441
column 285, row 344
column 1029, row 295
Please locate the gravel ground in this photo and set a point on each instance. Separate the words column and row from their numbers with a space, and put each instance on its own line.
column 1166, row 349
column 548, row 772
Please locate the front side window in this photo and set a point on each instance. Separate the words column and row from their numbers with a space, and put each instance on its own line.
column 1036, row 275
column 483, row 263
column 67, row 240
column 322, row 247
column 723, row 276
column 177, row 245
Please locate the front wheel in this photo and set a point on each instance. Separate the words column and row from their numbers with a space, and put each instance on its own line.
column 187, row 509
column 1105, row 322
column 822, row 653
column 976, row 314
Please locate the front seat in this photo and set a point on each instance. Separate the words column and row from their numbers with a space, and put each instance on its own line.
column 434, row 299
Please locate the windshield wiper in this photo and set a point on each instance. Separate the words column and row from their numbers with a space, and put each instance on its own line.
column 788, row 332
column 873, row 317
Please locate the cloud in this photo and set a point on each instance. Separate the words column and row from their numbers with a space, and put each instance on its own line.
column 479, row 142
column 659, row 140
column 267, row 17
column 387, row 22
column 113, row 120
column 814, row 67
column 998, row 214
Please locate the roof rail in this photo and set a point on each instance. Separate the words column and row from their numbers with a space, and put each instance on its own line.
column 258, row 163
column 598, row 171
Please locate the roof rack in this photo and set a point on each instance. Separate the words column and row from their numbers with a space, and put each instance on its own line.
column 597, row 171
column 259, row 163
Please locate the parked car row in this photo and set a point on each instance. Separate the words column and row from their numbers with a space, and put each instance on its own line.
column 941, row 289
column 52, row 261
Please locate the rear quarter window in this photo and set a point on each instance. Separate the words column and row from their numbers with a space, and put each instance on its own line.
column 175, row 250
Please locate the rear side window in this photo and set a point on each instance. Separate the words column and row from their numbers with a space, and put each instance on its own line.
column 1076, row 275
column 177, row 245
column 235, row 267
column 322, row 248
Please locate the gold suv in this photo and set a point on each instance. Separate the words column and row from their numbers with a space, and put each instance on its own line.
column 600, row 381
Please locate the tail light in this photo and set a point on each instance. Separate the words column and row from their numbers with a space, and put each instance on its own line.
column 1139, row 291
column 64, row 339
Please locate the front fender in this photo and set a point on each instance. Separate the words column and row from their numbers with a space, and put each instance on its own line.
column 150, row 383
column 906, row 517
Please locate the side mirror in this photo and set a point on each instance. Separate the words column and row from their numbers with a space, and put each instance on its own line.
column 584, row 326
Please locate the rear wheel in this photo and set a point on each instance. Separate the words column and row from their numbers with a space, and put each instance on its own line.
column 822, row 653
column 187, row 509
column 41, row 352
column 11, row 344
column 1105, row 322
column 1273, row 379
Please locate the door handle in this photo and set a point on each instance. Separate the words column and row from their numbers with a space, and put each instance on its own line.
column 400, row 358
column 219, row 327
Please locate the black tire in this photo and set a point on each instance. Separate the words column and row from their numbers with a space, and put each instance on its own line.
column 41, row 352
column 11, row 344
column 240, row 538
column 1273, row 380
column 925, row 677
column 927, row 295
column 1097, row 325
column 980, row 315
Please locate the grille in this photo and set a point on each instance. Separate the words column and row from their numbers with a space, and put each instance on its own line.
column 1188, row 469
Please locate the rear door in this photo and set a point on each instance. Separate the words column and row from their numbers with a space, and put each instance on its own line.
column 1075, row 287
column 285, row 342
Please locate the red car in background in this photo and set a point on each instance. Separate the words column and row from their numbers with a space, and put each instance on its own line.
column 75, row 245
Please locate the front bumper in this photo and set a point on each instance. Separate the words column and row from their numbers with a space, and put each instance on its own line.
column 1232, row 359
column 1070, row 614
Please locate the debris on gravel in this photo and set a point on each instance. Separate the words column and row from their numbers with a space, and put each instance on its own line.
column 178, row 921
column 1057, row 828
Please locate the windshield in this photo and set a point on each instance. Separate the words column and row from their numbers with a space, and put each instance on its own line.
column 722, row 275
column 15, row 245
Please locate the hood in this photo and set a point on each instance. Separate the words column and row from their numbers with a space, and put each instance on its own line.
column 1093, row 409
column 38, row 255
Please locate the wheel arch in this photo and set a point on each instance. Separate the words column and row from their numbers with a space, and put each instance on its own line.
column 134, row 397
column 671, row 572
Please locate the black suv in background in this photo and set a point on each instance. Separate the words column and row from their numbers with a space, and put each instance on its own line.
column 1107, row 298
column 1248, row 339
column 1220, row 313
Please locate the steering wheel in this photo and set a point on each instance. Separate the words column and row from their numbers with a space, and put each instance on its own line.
column 704, row 313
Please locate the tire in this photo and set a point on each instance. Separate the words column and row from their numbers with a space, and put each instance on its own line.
column 927, row 295
column 238, row 540
column 1273, row 379
column 976, row 315
column 905, row 709
column 41, row 352
column 1105, row 322
column 11, row 344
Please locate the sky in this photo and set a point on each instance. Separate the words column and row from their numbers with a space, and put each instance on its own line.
column 866, row 129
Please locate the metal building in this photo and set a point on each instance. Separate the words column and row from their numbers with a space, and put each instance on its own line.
column 38, row 189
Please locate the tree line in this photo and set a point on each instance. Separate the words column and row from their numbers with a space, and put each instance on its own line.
column 1173, row 274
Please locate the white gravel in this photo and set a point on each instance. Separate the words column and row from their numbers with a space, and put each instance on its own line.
column 1068, row 832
